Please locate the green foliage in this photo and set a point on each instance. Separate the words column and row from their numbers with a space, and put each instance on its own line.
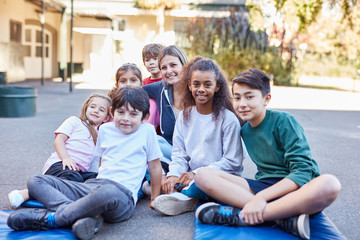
column 235, row 47
column 307, row 12
column 324, row 65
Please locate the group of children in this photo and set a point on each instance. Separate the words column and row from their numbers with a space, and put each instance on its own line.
column 198, row 157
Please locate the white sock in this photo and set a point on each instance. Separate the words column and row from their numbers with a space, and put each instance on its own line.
column 15, row 199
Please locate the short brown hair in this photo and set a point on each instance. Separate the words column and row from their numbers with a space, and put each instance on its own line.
column 151, row 50
column 255, row 79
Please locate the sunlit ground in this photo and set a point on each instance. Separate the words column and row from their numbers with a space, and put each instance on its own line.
column 282, row 97
column 316, row 99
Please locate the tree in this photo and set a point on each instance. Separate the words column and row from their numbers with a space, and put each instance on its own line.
column 297, row 18
column 235, row 47
column 160, row 6
column 306, row 11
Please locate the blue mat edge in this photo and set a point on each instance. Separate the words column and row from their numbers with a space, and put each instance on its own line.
column 321, row 227
column 53, row 234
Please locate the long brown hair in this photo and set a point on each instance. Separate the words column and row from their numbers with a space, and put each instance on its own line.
column 121, row 70
column 85, row 120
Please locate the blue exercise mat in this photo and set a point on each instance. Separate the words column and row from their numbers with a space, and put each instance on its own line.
column 53, row 234
column 321, row 227
column 32, row 204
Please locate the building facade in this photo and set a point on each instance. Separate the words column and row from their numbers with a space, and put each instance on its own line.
column 35, row 40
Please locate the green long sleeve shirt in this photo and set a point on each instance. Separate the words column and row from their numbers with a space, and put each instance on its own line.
column 279, row 148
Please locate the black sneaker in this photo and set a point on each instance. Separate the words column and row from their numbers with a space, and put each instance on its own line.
column 298, row 226
column 86, row 228
column 213, row 213
column 30, row 219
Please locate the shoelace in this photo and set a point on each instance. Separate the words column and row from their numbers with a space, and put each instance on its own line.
column 43, row 223
column 231, row 220
column 289, row 225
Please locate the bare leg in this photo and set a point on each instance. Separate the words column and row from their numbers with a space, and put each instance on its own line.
column 219, row 184
column 25, row 194
column 310, row 198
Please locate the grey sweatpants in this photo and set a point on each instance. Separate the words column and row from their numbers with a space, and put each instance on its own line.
column 73, row 200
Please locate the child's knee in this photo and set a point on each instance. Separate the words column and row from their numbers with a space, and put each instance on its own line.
column 330, row 187
column 34, row 181
column 333, row 184
column 110, row 192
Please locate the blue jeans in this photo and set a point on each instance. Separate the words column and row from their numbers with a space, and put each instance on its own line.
column 166, row 148
column 73, row 200
column 194, row 192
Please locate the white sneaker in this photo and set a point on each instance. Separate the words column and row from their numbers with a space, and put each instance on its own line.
column 175, row 203
column 15, row 199
column 146, row 188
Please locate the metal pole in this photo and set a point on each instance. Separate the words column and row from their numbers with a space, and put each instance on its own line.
column 71, row 44
column 63, row 41
column 42, row 20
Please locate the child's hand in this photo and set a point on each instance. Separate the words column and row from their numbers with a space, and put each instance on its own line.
column 168, row 186
column 68, row 162
column 252, row 212
column 186, row 178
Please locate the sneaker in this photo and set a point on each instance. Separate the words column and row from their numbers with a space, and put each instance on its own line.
column 175, row 203
column 213, row 213
column 298, row 226
column 146, row 188
column 15, row 199
column 86, row 228
column 30, row 219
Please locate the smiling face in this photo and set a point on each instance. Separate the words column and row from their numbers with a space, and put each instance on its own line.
column 151, row 64
column 127, row 119
column 128, row 79
column 170, row 67
column 250, row 104
column 203, row 86
column 97, row 111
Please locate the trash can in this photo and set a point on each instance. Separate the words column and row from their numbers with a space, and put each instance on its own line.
column 17, row 101
column 3, row 80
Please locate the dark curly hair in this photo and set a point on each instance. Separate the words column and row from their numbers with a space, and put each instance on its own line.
column 221, row 99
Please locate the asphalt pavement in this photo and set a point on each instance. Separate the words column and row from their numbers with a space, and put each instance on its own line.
column 330, row 118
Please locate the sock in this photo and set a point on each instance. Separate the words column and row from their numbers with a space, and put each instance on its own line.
column 15, row 199
column 51, row 220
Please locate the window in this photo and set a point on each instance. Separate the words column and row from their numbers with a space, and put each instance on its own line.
column 15, row 31
column 32, row 42
column 27, row 35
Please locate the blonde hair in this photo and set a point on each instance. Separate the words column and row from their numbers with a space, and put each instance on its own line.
column 85, row 106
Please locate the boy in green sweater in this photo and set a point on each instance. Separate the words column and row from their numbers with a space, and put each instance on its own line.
column 288, row 185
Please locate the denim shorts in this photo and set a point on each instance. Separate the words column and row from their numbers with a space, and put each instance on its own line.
column 261, row 184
